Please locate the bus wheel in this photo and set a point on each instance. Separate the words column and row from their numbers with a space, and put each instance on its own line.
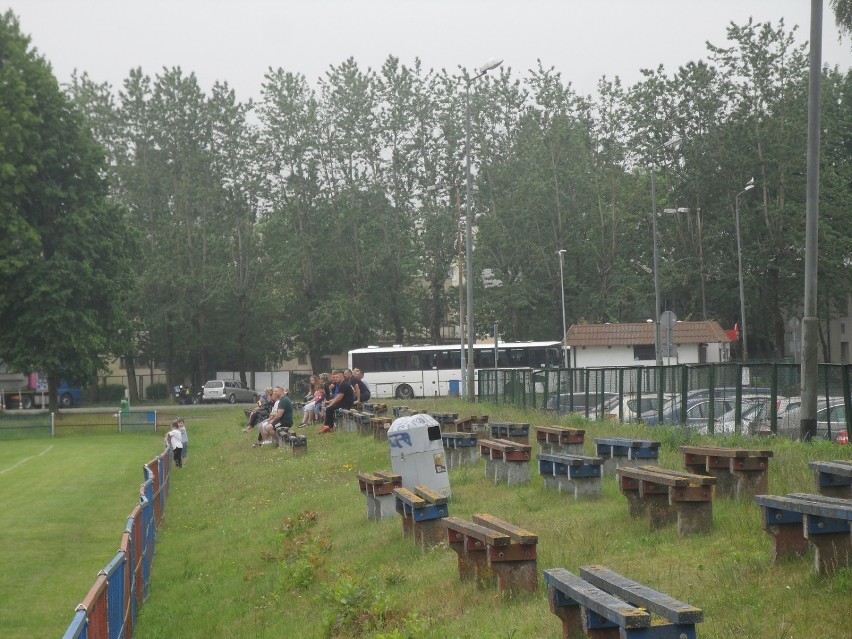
column 404, row 391
column 66, row 401
column 26, row 401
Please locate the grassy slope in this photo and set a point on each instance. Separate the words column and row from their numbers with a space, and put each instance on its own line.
column 234, row 559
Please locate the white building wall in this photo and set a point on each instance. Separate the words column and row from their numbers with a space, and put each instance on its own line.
column 609, row 356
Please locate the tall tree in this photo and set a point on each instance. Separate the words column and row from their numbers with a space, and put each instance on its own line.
column 65, row 271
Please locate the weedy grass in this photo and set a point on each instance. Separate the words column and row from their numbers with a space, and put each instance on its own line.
column 259, row 543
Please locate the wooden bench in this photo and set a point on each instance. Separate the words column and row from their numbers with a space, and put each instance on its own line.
column 474, row 424
column 379, row 427
column 373, row 409
column 506, row 461
column 422, row 510
column 603, row 603
column 296, row 444
column 833, row 478
column 740, row 473
column 664, row 496
column 444, row 419
column 558, row 439
column 573, row 475
column 509, row 430
column 461, row 448
column 362, row 423
column 797, row 519
column 618, row 452
column 347, row 420
column 378, row 488
column 489, row 548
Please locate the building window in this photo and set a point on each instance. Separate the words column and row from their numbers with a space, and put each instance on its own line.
column 644, row 352
column 842, row 328
column 844, row 352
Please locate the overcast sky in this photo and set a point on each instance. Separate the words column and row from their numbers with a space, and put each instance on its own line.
column 238, row 40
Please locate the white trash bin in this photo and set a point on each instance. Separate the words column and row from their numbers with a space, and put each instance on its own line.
column 417, row 453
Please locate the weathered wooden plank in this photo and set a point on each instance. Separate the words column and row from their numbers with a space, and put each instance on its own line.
column 642, row 596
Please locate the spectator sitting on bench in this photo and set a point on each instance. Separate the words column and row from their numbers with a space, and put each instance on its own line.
column 344, row 397
column 280, row 419
column 313, row 397
column 261, row 411
column 362, row 391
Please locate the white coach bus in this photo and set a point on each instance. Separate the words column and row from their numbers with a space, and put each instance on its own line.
column 405, row 372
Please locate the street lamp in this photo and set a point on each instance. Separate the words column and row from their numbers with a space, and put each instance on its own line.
column 657, row 351
column 493, row 63
column 462, row 369
column 561, row 253
column 748, row 187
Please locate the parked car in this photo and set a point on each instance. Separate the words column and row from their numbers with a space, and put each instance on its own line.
column 228, row 390
column 830, row 415
column 630, row 408
column 754, row 411
column 697, row 414
column 566, row 403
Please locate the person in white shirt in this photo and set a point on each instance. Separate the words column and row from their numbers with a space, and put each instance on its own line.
column 174, row 441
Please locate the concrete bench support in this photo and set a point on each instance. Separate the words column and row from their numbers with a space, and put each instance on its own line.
column 664, row 496
column 506, row 461
column 800, row 519
column 559, row 440
column 377, row 488
column 574, row 475
column 491, row 550
column 461, row 448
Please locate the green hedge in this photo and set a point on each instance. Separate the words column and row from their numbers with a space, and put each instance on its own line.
column 157, row 391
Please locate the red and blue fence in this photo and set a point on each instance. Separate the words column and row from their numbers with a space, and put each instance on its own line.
column 110, row 608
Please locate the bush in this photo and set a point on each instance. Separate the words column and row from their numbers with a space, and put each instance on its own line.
column 105, row 393
column 157, row 391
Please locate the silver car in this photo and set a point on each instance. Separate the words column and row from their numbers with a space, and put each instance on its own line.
column 228, row 390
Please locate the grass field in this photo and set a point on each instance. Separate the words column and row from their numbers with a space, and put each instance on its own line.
column 260, row 544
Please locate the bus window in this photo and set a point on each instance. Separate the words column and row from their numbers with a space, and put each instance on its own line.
column 449, row 360
column 430, row 360
column 413, row 362
column 518, row 358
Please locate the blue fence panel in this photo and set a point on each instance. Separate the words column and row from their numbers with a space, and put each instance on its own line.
column 114, row 573
column 78, row 627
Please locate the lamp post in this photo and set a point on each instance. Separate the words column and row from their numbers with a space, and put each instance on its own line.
column 561, row 253
column 748, row 187
column 493, row 63
column 462, row 369
column 657, row 351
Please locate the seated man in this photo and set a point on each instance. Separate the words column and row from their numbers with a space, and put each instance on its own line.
column 362, row 391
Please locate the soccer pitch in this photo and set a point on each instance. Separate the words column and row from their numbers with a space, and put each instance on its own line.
column 65, row 503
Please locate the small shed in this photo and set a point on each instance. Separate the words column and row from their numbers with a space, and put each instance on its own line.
column 632, row 344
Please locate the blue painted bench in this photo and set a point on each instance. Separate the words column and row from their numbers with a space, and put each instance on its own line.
column 574, row 475
column 422, row 510
column 618, row 452
column 833, row 478
column 603, row 603
column 461, row 448
column 489, row 547
column 799, row 519
column 509, row 430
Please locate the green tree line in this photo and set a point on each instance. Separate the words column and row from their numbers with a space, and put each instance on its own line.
column 326, row 216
